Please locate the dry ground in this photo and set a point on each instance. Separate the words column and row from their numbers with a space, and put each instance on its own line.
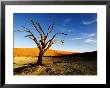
column 55, row 66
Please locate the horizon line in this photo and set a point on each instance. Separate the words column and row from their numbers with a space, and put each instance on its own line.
column 59, row 50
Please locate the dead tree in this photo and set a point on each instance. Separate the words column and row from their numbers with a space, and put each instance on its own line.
column 43, row 43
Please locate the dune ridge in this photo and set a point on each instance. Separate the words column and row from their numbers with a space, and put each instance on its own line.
column 35, row 52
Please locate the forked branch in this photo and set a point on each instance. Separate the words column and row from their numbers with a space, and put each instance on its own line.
column 31, row 36
column 54, row 37
column 37, row 23
column 37, row 29
column 52, row 41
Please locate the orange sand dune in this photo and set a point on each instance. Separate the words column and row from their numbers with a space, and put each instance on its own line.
column 35, row 52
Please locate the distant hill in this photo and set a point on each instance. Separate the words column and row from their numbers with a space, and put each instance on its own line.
column 35, row 52
column 86, row 54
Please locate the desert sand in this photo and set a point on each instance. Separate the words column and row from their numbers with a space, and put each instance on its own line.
column 35, row 52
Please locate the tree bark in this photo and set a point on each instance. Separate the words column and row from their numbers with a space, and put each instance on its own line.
column 39, row 61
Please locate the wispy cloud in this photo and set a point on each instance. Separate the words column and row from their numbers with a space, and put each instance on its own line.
column 75, row 38
column 89, row 34
column 90, row 41
column 89, row 38
column 92, row 35
column 89, row 22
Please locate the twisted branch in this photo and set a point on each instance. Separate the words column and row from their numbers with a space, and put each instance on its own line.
column 31, row 36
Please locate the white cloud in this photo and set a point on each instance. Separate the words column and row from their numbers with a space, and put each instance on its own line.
column 75, row 38
column 90, row 41
column 89, row 38
column 92, row 35
column 89, row 22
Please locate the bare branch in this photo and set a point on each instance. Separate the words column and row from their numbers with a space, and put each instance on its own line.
column 51, row 41
column 50, row 29
column 43, row 44
column 37, row 29
column 56, row 41
column 50, row 44
column 62, row 41
column 54, row 37
column 30, row 36
column 40, row 27
column 48, row 47
column 57, row 34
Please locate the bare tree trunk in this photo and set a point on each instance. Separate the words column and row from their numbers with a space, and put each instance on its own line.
column 39, row 61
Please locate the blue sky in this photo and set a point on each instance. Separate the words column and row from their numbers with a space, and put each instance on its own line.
column 80, row 27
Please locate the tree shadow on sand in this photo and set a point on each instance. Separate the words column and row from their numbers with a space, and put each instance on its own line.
column 19, row 69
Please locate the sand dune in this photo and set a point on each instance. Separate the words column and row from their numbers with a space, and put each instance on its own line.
column 35, row 51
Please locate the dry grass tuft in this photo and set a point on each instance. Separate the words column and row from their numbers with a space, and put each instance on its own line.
column 54, row 66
